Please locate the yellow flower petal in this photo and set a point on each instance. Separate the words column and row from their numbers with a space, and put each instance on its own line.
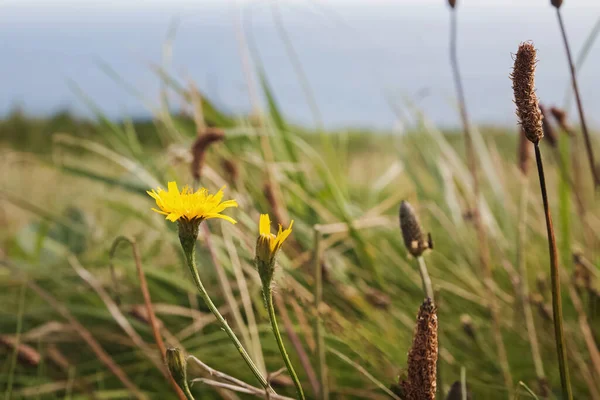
column 264, row 227
column 190, row 205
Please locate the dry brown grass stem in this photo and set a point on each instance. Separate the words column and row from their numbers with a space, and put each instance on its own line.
column 87, row 336
column 582, row 119
column 154, row 323
column 420, row 383
column 484, row 252
column 199, row 147
column 118, row 316
column 25, row 354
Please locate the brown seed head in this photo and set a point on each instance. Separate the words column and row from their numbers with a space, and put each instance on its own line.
column 561, row 119
column 199, row 148
column 556, row 3
column 414, row 240
column 523, row 77
column 547, row 128
column 524, row 152
column 420, row 383
column 452, row 3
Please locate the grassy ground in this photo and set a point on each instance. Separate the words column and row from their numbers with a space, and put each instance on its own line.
column 66, row 196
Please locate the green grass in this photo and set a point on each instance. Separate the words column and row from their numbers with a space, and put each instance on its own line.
column 70, row 187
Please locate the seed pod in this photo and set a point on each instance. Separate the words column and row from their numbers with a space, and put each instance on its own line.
column 452, row 3
column 523, row 77
column 414, row 240
column 556, row 3
column 178, row 367
column 420, row 383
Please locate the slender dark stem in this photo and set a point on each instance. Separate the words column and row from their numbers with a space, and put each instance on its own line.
column 191, row 261
column 462, row 104
column 554, row 274
column 584, row 129
column 268, row 294
column 484, row 255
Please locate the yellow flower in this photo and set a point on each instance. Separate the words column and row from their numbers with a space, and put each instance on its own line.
column 268, row 244
column 189, row 205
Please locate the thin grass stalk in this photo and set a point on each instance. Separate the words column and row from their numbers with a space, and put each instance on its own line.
column 268, row 294
column 296, row 342
column 524, row 288
column 150, row 311
column 427, row 288
column 555, row 283
column 484, row 256
column 584, row 129
column 318, row 297
column 87, row 336
column 190, row 256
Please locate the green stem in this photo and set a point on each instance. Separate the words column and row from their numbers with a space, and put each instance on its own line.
column 186, row 390
column 555, row 278
column 268, row 294
column 190, row 256
column 425, row 278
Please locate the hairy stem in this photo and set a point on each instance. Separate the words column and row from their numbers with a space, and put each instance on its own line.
column 555, row 277
column 268, row 295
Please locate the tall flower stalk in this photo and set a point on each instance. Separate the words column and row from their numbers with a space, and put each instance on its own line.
column 530, row 118
column 189, row 209
column 267, row 247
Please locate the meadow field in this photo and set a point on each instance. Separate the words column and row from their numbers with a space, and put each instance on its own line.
column 94, row 285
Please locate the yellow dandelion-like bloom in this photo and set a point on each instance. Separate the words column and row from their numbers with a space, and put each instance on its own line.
column 188, row 205
column 268, row 244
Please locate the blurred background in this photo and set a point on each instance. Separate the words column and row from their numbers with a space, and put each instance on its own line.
column 357, row 56
column 325, row 112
